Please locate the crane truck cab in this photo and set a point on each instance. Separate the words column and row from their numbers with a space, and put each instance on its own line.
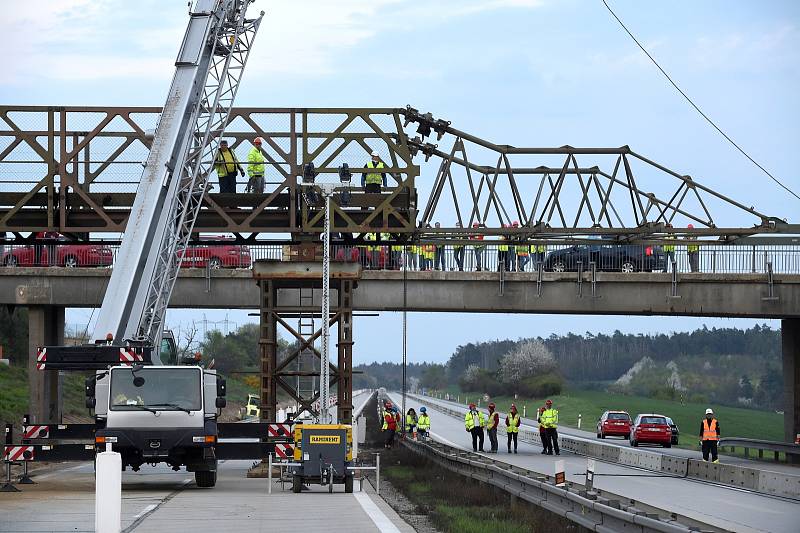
column 159, row 414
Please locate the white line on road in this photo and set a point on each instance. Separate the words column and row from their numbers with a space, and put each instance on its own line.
column 375, row 514
column 61, row 471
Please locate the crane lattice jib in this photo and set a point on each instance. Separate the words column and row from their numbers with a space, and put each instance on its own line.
column 208, row 71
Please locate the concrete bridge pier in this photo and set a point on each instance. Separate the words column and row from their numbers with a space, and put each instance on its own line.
column 790, row 341
column 45, row 327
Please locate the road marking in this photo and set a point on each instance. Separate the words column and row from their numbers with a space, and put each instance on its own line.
column 380, row 520
column 445, row 441
column 62, row 471
column 146, row 510
column 150, row 509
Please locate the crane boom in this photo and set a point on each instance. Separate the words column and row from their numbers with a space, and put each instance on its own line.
column 208, row 71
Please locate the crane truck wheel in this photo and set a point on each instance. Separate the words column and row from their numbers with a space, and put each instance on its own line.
column 297, row 484
column 205, row 478
column 348, row 484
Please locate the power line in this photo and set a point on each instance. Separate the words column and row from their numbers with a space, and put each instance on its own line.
column 776, row 180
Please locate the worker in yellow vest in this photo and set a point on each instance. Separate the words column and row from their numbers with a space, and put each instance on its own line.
column 412, row 253
column 502, row 252
column 549, row 421
column 474, row 421
column 255, row 167
column 423, row 423
column 397, row 253
column 523, row 256
column 709, row 436
column 226, row 166
column 538, row 251
column 693, row 251
column 458, row 252
column 372, row 180
column 669, row 249
column 513, row 421
column 428, row 251
column 478, row 247
column 373, row 254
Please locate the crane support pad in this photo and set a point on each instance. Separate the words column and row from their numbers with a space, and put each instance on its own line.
column 90, row 357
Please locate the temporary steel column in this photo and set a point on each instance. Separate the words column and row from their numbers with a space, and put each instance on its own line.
column 281, row 284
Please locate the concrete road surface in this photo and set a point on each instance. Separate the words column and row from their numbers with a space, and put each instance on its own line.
column 725, row 507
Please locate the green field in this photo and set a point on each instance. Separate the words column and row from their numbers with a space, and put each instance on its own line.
column 735, row 422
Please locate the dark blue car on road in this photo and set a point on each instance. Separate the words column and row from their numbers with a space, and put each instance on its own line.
column 607, row 257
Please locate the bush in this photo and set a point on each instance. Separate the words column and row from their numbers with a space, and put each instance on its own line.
column 476, row 379
column 540, row 386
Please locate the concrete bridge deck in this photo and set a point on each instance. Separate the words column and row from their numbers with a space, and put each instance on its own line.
column 694, row 294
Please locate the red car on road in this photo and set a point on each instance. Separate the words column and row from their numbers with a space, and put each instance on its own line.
column 215, row 255
column 614, row 423
column 53, row 249
column 652, row 429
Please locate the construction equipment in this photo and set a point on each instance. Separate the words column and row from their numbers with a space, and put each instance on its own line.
column 323, row 454
column 251, row 409
column 151, row 408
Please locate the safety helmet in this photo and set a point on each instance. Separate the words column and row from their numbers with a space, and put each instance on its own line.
column 492, row 405
column 513, row 407
column 515, row 224
column 690, row 226
column 422, row 409
column 475, row 225
column 258, row 140
column 374, row 154
column 709, row 411
column 472, row 406
column 548, row 402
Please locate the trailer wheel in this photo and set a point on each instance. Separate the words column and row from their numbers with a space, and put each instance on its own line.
column 297, row 484
column 205, row 478
column 348, row 484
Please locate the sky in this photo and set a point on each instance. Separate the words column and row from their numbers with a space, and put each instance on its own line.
column 521, row 72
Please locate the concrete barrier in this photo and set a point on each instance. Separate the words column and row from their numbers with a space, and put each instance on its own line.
column 739, row 476
column 674, row 465
column 703, row 470
column 779, row 484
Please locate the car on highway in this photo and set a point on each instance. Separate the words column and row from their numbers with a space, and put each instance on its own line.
column 651, row 429
column 607, row 257
column 614, row 423
column 53, row 249
column 214, row 255
column 675, row 431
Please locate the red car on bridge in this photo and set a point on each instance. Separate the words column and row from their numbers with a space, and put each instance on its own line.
column 53, row 249
column 215, row 255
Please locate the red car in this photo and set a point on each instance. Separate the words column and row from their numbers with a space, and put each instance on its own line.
column 614, row 423
column 53, row 249
column 652, row 429
column 215, row 255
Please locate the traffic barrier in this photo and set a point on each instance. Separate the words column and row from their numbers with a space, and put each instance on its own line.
column 284, row 450
column 18, row 453
column 779, row 484
column 108, row 492
column 674, row 465
column 279, row 430
column 738, row 476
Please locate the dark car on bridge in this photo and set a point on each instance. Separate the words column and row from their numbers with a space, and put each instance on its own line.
column 676, row 433
column 651, row 429
column 614, row 423
column 607, row 257
column 53, row 249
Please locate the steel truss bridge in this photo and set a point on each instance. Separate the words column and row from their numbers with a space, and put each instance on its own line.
column 75, row 170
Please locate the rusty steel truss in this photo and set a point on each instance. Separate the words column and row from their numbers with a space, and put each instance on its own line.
column 75, row 170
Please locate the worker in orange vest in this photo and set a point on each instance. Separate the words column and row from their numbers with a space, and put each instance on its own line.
column 709, row 436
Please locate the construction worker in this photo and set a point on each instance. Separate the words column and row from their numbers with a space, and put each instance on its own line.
column 458, row 253
column 491, row 427
column 511, row 254
column 709, row 436
column 411, row 421
column 693, row 251
column 423, row 423
column 669, row 249
column 255, row 167
column 474, row 421
column 478, row 247
column 372, row 181
column 541, row 429
column 373, row 251
column 438, row 258
column 513, row 421
column 502, row 252
column 538, row 251
column 389, row 425
column 523, row 256
column 397, row 253
column 226, row 165
column 412, row 252
column 549, row 420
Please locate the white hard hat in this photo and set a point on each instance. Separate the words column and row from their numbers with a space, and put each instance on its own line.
column 709, row 411
column 374, row 154
column 258, row 140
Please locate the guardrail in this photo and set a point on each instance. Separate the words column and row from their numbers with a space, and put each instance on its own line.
column 711, row 258
column 787, row 448
column 753, row 479
column 594, row 509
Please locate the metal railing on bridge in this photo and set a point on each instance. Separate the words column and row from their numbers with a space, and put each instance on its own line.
column 712, row 258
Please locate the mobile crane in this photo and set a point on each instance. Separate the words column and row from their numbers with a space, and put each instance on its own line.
column 149, row 407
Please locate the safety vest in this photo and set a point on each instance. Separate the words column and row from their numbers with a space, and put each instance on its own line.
column 669, row 247
column 424, row 422
column 256, row 162
column 710, row 429
column 549, row 418
column 225, row 163
column 692, row 247
column 413, row 249
column 522, row 249
column 428, row 251
column 389, row 421
column 397, row 247
column 493, row 422
column 502, row 247
column 512, row 421
column 374, row 177
column 371, row 237
column 410, row 421
column 538, row 248
column 469, row 422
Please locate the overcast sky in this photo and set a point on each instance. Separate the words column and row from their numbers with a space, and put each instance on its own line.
column 521, row 72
